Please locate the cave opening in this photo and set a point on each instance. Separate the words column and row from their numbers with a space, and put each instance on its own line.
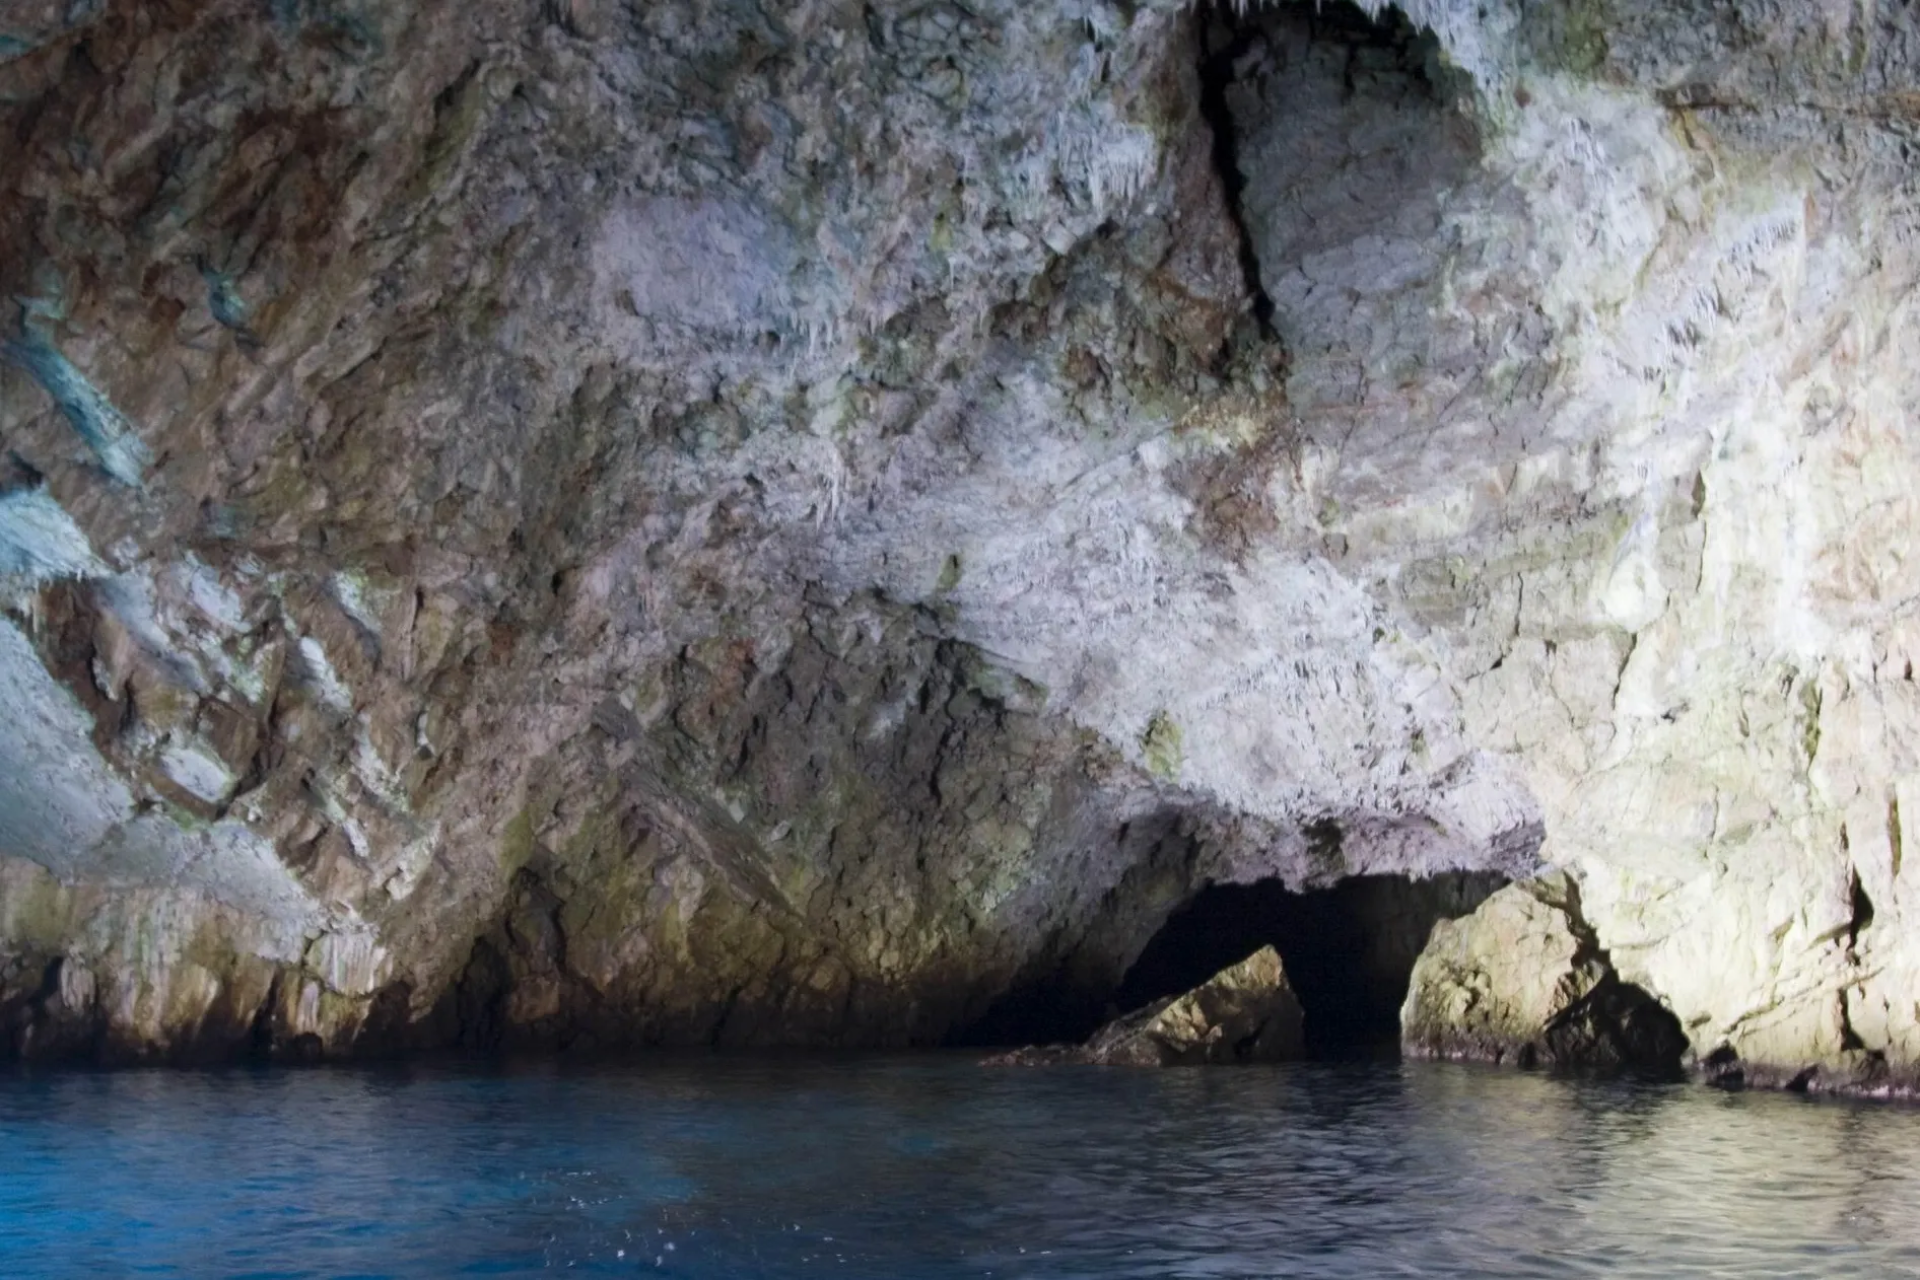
column 1348, row 950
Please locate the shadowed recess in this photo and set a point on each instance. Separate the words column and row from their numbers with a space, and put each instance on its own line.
column 1348, row 950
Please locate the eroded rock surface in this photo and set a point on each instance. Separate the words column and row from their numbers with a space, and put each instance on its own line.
column 1244, row 1013
column 1524, row 981
column 583, row 523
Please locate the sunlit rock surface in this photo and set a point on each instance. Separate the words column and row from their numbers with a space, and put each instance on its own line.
column 1524, row 981
column 1245, row 1013
column 576, row 523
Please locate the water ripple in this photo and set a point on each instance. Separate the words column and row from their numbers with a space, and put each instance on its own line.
column 935, row 1168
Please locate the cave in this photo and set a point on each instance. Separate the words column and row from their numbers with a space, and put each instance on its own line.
column 1348, row 950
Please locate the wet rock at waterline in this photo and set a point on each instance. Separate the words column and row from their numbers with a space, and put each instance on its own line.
column 1523, row 981
column 1244, row 1013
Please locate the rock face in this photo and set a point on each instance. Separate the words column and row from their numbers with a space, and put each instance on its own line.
column 1524, row 981
column 567, row 523
column 1244, row 1013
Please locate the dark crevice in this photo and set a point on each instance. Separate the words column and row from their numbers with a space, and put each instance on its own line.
column 475, row 1014
column 1222, row 37
column 1849, row 1038
column 387, row 1030
column 35, row 1020
column 1893, row 818
column 1618, row 1026
column 1861, row 914
column 1723, row 1069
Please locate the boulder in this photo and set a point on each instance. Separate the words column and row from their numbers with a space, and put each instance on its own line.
column 1524, row 981
column 1244, row 1013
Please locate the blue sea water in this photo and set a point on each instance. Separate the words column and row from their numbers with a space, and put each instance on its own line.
column 935, row 1167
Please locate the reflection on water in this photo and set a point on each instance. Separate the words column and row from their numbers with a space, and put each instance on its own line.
column 934, row 1167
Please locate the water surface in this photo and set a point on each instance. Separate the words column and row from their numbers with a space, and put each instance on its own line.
column 934, row 1168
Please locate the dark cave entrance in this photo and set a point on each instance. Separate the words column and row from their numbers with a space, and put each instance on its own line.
column 1348, row 950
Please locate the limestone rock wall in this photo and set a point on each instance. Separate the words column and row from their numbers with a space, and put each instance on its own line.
column 596, row 522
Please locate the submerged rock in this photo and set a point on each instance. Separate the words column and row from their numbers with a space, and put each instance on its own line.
column 1523, row 981
column 1244, row 1013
